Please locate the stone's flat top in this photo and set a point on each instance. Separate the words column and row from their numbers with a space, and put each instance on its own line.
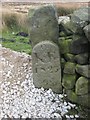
column 19, row 98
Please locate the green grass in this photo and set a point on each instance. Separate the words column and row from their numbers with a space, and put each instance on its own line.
column 15, row 22
column 12, row 24
column 17, row 43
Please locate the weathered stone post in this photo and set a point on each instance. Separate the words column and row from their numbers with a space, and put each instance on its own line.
column 46, row 66
column 43, row 25
column 45, row 54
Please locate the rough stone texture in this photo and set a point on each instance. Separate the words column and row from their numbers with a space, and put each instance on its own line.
column 68, row 28
column 68, row 81
column 81, row 16
column 82, row 86
column 79, row 44
column 83, row 70
column 82, row 58
column 87, row 31
column 69, row 68
column 69, row 57
column 64, row 46
column 83, row 100
column 44, row 25
column 46, row 66
column 72, row 96
column 74, row 44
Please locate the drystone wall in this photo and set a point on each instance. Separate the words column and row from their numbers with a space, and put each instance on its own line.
column 60, row 56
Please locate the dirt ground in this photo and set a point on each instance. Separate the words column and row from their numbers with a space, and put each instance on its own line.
column 14, row 66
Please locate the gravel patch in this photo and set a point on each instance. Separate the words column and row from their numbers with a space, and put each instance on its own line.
column 20, row 98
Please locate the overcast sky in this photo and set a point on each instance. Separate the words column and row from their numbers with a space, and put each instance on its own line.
column 45, row 0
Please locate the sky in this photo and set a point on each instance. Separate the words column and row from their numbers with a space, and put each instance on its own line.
column 45, row 1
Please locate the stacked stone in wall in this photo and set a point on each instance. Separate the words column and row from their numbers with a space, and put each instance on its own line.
column 70, row 68
column 74, row 43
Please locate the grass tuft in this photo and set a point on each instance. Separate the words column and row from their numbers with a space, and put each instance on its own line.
column 62, row 11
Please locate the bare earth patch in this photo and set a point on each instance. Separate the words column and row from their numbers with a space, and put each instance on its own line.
column 14, row 66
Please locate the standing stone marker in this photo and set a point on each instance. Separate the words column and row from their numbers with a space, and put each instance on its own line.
column 43, row 25
column 46, row 66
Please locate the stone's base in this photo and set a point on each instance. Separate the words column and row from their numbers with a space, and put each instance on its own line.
column 46, row 66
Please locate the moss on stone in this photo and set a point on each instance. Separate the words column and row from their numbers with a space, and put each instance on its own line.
column 83, row 100
column 62, row 34
column 83, row 70
column 69, row 57
column 72, row 96
column 82, row 58
column 64, row 46
column 68, row 81
column 82, row 86
column 69, row 68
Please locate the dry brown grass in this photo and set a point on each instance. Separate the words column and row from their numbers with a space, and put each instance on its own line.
column 21, row 11
column 72, row 5
column 20, row 18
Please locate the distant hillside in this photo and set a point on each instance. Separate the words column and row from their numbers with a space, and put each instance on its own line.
column 46, row 1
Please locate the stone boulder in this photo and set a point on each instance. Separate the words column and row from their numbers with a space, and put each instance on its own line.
column 79, row 44
column 68, row 81
column 69, row 28
column 82, row 86
column 71, row 95
column 82, row 58
column 43, row 25
column 69, row 68
column 64, row 45
column 81, row 16
column 83, row 100
column 69, row 57
column 46, row 66
column 83, row 70
column 87, row 31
